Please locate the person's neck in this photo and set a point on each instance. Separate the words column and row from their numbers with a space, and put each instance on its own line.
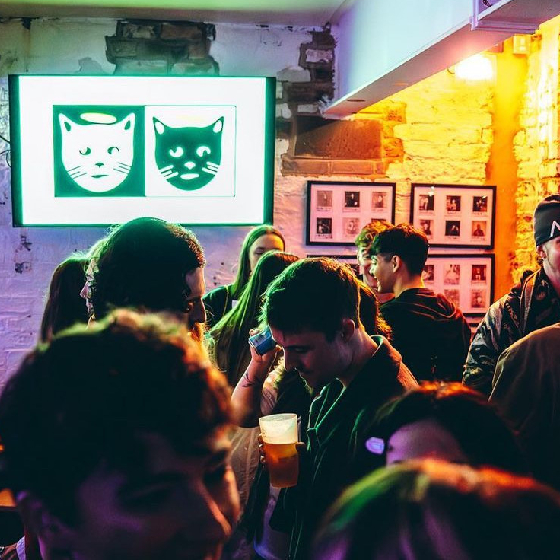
column 382, row 298
column 406, row 282
column 363, row 347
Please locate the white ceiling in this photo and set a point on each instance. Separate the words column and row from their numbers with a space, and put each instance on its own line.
column 273, row 12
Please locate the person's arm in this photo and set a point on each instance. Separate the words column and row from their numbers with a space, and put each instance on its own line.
column 246, row 397
column 484, row 352
column 451, row 359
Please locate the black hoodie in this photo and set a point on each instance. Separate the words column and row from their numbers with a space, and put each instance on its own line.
column 430, row 333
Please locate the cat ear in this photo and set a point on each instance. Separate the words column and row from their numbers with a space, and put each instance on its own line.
column 65, row 123
column 129, row 121
column 159, row 126
column 218, row 125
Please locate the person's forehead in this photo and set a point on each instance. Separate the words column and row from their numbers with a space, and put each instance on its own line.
column 267, row 239
column 299, row 338
column 215, row 442
column 159, row 452
column 159, row 457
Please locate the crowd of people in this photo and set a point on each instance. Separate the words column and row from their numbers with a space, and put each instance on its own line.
column 131, row 431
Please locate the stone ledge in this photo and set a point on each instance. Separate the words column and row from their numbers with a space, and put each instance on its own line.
column 315, row 166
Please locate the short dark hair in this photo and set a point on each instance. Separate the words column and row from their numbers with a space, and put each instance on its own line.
column 433, row 509
column 476, row 425
column 83, row 398
column 244, row 266
column 142, row 264
column 405, row 241
column 370, row 316
column 369, row 233
column 315, row 294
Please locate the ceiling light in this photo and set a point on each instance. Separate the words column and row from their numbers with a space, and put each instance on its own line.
column 477, row 67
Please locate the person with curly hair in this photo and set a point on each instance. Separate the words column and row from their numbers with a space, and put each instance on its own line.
column 150, row 265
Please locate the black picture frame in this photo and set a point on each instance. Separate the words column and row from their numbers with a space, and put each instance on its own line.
column 460, row 216
column 467, row 280
column 337, row 211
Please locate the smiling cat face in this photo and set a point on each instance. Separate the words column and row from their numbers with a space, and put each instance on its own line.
column 97, row 157
column 188, row 157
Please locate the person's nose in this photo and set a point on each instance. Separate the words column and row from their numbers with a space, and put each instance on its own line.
column 198, row 313
column 290, row 359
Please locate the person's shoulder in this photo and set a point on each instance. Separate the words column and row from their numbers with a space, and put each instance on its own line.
column 527, row 280
column 216, row 293
column 549, row 337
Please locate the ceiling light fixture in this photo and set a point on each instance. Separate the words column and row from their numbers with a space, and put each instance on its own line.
column 476, row 68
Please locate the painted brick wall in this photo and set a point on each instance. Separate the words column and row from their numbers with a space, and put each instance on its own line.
column 28, row 256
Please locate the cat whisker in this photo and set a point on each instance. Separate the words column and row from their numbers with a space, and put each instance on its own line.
column 77, row 168
column 123, row 166
column 167, row 168
column 168, row 173
column 167, row 177
column 123, row 171
column 77, row 174
column 212, row 164
column 209, row 171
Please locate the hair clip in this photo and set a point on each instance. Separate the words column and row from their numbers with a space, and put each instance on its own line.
column 375, row 445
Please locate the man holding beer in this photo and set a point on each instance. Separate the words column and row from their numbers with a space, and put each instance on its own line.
column 312, row 309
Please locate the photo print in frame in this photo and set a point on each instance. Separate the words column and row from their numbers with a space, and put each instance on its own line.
column 458, row 216
column 466, row 280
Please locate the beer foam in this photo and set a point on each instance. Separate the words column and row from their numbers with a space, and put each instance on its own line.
column 279, row 428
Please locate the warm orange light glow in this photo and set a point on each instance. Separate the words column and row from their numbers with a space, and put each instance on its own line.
column 477, row 67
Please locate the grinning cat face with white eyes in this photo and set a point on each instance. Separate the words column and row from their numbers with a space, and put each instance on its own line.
column 98, row 157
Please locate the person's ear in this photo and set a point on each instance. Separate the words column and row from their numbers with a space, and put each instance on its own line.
column 541, row 253
column 396, row 261
column 52, row 533
column 347, row 330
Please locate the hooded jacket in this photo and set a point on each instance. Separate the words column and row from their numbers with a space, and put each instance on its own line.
column 430, row 333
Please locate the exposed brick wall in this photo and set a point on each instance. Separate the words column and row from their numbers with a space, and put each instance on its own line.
column 537, row 143
column 162, row 48
column 438, row 130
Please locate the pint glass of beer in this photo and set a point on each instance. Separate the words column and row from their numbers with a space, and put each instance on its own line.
column 279, row 433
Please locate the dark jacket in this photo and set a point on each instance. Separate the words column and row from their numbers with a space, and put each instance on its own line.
column 338, row 426
column 526, row 391
column 430, row 333
column 531, row 304
column 217, row 302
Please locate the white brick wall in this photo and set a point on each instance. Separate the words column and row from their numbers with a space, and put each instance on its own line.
column 57, row 46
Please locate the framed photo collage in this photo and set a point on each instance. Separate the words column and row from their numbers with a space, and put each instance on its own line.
column 451, row 216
